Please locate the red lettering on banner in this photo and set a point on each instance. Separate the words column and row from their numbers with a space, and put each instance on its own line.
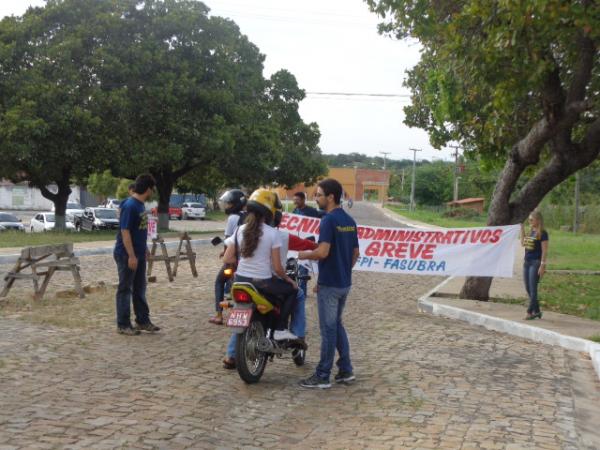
column 292, row 223
column 373, row 249
column 496, row 237
column 284, row 221
column 388, row 249
column 457, row 233
column 475, row 236
column 382, row 235
column 401, row 250
column 485, row 236
column 428, row 251
column 418, row 236
column 306, row 224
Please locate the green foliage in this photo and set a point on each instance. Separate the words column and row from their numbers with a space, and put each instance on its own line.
column 51, row 129
column 122, row 190
column 103, row 184
column 484, row 64
column 433, row 183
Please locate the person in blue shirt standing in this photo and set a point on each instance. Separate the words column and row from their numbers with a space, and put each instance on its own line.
column 130, row 255
column 337, row 253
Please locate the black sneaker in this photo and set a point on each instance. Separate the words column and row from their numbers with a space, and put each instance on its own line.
column 315, row 382
column 344, row 377
column 149, row 326
column 128, row 331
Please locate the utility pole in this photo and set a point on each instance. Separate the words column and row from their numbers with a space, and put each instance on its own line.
column 455, row 154
column 576, row 218
column 384, row 158
column 412, row 187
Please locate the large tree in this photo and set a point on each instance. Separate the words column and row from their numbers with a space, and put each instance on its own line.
column 51, row 133
column 516, row 83
column 187, row 91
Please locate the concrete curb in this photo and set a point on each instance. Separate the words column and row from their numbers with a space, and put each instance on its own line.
column 97, row 251
column 425, row 304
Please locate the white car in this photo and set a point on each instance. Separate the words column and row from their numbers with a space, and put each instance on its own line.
column 112, row 203
column 193, row 211
column 74, row 209
column 46, row 222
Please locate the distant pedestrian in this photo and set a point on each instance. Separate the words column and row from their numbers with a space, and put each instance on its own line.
column 130, row 255
column 534, row 267
column 337, row 253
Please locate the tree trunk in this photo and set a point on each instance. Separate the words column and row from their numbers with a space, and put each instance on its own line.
column 60, row 200
column 164, row 186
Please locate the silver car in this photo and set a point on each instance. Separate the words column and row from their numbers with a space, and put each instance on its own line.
column 10, row 222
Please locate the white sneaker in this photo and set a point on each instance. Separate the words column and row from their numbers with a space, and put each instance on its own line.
column 282, row 335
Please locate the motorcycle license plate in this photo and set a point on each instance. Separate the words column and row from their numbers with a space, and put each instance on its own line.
column 239, row 318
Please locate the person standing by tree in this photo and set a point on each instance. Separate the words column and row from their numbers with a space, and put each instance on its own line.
column 130, row 255
column 534, row 267
column 337, row 253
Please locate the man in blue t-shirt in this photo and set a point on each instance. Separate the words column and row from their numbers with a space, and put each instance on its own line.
column 337, row 253
column 130, row 256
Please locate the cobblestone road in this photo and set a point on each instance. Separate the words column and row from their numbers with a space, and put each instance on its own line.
column 423, row 382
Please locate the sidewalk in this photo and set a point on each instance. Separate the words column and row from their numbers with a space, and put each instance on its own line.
column 569, row 332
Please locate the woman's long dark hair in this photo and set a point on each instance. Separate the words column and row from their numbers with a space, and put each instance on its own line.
column 252, row 233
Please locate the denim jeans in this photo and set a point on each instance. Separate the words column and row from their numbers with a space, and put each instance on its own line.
column 302, row 272
column 231, row 345
column 331, row 302
column 298, row 321
column 222, row 286
column 531, row 279
column 132, row 286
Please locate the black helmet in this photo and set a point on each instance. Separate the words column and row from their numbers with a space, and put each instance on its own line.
column 233, row 201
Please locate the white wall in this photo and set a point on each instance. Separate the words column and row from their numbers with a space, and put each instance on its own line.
column 25, row 198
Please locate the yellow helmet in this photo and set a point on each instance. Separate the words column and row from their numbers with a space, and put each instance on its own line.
column 265, row 202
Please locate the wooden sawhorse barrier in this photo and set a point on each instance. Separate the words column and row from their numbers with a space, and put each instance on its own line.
column 36, row 258
column 187, row 255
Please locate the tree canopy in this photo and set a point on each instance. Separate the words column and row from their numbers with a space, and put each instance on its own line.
column 515, row 83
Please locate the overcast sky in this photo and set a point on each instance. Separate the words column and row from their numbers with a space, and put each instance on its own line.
column 330, row 46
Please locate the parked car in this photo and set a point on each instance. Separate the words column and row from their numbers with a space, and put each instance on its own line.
column 175, row 212
column 112, row 203
column 193, row 211
column 10, row 222
column 98, row 219
column 74, row 209
column 46, row 221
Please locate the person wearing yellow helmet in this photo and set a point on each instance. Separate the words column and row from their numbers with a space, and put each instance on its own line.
column 259, row 247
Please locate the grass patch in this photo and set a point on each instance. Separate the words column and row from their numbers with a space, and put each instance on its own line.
column 595, row 338
column 436, row 218
column 573, row 294
column 577, row 295
column 218, row 216
column 568, row 251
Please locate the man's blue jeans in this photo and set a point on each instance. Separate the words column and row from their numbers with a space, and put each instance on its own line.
column 302, row 272
column 297, row 325
column 132, row 286
column 331, row 302
column 298, row 321
column 531, row 279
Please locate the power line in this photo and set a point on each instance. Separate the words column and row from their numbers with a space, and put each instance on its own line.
column 359, row 94
column 414, row 173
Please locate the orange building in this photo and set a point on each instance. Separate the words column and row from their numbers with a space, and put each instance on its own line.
column 359, row 184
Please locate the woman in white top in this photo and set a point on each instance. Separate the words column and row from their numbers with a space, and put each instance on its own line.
column 258, row 245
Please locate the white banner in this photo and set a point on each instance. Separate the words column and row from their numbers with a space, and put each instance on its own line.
column 482, row 251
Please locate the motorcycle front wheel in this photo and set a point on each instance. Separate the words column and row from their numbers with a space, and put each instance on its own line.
column 250, row 362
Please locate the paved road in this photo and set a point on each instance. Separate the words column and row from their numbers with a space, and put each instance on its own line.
column 422, row 382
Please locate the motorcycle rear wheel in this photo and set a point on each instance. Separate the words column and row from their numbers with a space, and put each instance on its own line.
column 250, row 362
